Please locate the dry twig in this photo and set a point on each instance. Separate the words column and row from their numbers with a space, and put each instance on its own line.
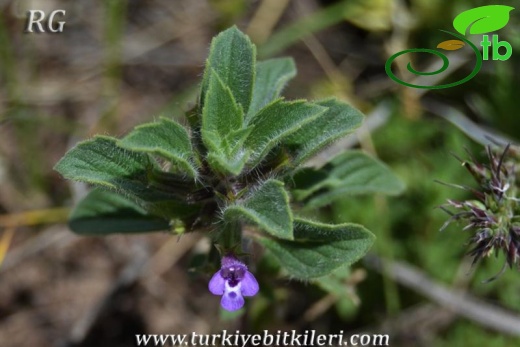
column 463, row 304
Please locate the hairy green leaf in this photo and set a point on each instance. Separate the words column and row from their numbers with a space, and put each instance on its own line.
column 165, row 138
column 349, row 173
column 275, row 122
column 228, row 164
column 318, row 249
column 268, row 207
column 222, row 129
column 232, row 56
column 221, row 114
column 271, row 77
column 483, row 19
column 339, row 120
column 104, row 212
column 100, row 161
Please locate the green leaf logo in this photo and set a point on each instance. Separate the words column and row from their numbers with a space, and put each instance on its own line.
column 482, row 20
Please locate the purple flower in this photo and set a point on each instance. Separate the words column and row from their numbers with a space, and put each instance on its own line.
column 233, row 282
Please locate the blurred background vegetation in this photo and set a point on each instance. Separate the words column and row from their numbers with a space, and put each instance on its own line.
column 120, row 63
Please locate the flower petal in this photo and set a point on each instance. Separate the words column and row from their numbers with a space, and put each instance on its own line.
column 231, row 260
column 249, row 285
column 217, row 284
column 232, row 299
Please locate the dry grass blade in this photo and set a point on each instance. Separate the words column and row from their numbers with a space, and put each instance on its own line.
column 5, row 242
column 463, row 304
column 35, row 217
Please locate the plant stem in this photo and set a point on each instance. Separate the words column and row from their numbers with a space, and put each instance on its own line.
column 231, row 237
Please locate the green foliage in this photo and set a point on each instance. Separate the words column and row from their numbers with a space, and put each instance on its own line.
column 271, row 77
column 339, row 120
column 268, row 207
column 237, row 163
column 103, row 212
column 166, row 139
column 232, row 57
column 271, row 128
column 469, row 334
column 222, row 128
column 349, row 173
column 100, row 161
column 320, row 248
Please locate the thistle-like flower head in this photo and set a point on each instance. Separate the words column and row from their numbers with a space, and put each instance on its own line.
column 494, row 214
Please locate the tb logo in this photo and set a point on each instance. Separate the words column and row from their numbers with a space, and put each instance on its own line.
column 495, row 45
column 476, row 21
